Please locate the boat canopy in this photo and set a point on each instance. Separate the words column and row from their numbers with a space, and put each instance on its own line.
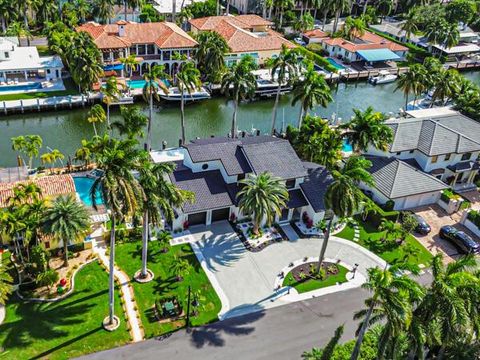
column 378, row 55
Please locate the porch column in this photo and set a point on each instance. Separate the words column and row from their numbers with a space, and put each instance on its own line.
column 471, row 176
column 26, row 75
column 455, row 179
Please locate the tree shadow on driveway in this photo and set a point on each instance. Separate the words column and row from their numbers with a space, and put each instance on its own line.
column 221, row 250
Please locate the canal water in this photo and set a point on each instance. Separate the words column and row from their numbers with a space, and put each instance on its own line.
column 64, row 129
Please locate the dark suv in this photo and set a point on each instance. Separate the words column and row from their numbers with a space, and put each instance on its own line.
column 460, row 239
column 422, row 227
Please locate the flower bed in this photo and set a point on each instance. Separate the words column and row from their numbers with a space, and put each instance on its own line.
column 256, row 242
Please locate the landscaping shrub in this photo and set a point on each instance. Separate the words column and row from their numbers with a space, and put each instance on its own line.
column 448, row 195
column 76, row 247
column 375, row 217
column 319, row 60
column 317, row 49
column 474, row 216
column 389, row 205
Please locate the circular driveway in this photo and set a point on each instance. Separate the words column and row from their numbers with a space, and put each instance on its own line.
column 245, row 280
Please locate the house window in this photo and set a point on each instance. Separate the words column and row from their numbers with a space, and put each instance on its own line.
column 47, row 244
column 434, row 159
column 447, row 157
column 7, row 55
column 399, row 153
column 290, row 183
column 411, row 151
column 204, row 166
column 150, row 49
column 166, row 55
column 133, row 50
column 141, row 49
column 466, row 156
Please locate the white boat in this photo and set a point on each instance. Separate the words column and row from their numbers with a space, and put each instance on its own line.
column 175, row 95
column 266, row 86
column 383, row 77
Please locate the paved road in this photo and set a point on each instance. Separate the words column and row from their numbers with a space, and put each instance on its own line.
column 280, row 333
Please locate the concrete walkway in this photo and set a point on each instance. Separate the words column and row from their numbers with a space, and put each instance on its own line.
column 127, row 293
column 248, row 280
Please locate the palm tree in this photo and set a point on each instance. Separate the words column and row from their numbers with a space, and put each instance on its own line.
column 210, row 54
column 19, row 30
column 82, row 8
column 96, row 114
column 311, row 91
column 6, row 287
column 343, row 196
column 391, row 229
column 130, row 63
column 180, row 267
column 326, row 6
column 447, row 84
column 328, row 350
column 29, row 145
column 103, row 9
column 153, row 82
column 263, row 197
column 188, row 80
column 410, row 23
column 52, row 157
column 133, row 4
column 368, row 207
column 133, row 123
column 239, row 83
column 305, row 23
column 392, row 297
column 368, row 129
column 121, row 192
column 284, row 69
column 84, row 152
column 110, row 93
column 413, row 81
column 67, row 219
column 353, row 27
column 281, row 6
column 339, row 6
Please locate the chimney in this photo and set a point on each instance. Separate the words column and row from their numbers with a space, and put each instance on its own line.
column 121, row 28
column 164, row 145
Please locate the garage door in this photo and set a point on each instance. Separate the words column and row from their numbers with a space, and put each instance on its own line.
column 197, row 218
column 420, row 200
column 220, row 214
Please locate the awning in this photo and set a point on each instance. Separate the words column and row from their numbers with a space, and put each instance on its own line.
column 113, row 67
column 378, row 55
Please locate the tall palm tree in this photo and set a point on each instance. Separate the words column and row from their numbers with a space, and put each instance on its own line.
column 339, row 6
column 52, row 157
column 103, row 9
column 188, row 80
column 210, row 54
column 392, row 296
column 311, row 91
column 413, row 81
column 367, row 129
column 326, row 6
column 67, row 219
column 281, row 6
column 130, row 63
column 121, row 192
column 29, row 145
column 96, row 115
column 153, row 83
column 110, row 93
column 447, row 84
column 134, row 121
column 284, row 69
column 263, row 197
column 239, row 83
column 343, row 196
column 410, row 23
column 353, row 28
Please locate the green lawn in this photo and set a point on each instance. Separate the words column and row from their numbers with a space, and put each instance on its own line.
column 65, row 329
column 128, row 257
column 313, row 284
column 369, row 236
column 43, row 50
column 70, row 89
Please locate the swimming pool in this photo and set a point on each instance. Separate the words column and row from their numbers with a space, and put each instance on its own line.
column 139, row 84
column 346, row 147
column 19, row 87
column 83, row 185
column 335, row 64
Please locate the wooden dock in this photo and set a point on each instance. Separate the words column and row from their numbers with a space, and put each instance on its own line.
column 52, row 103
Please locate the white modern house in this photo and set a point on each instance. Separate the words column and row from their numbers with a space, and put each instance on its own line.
column 22, row 69
column 428, row 154
column 212, row 168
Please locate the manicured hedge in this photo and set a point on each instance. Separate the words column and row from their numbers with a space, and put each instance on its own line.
column 319, row 60
column 375, row 218
column 414, row 49
column 474, row 216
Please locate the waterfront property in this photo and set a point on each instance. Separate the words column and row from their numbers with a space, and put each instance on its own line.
column 151, row 43
column 428, row 154
column 23, row 70
column 212, row 169
column 167, row 8
column 245, row 35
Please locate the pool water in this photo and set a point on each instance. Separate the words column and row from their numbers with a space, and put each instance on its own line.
column 83, row 186
column 335, row 64
column 29, row 86
column 346, row 147
column 139, row 84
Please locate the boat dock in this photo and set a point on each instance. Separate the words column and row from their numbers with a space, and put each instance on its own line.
column 51, row 103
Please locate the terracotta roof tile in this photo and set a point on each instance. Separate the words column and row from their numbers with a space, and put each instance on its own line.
column 369, row 40
column 316, row 33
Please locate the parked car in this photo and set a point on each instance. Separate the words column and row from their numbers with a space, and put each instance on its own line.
column 422, row 227
column 460, row 239
column 300, row 41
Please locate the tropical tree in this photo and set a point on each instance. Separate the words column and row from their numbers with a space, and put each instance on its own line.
column 328, row 351
column 130, row 62
column 153, row 83
column 134, row 121
column 103, row 9
column 67, row 219
column 239, row 83
column 410, row 22
column 96, row 115
column 28, row 145
column 339, row 6
column 263, row 197
column 367, row 129
column 413, row 81
column 6, row 287
column 110, row 93
column 6, row 13
column 390, row 229
column 121, row 192
column 180, row 267
column 84, row 58
column 84, row 152
column 310, row 91
column 393, row 294
column 52, row 157
column 188, row 80
column 446, row 86
column 210, row 54
column 343, row 196
column 353, row 28
column 281, row 6
column 20, row 31
column 305, row 23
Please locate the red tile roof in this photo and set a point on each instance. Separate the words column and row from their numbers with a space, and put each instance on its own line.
column 162, row 34
column 369, row 41
column 317, row 33
column 236, row 32
column 54, row 185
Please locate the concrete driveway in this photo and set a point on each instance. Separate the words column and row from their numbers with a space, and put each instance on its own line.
column 436, row 217
column 247, row 279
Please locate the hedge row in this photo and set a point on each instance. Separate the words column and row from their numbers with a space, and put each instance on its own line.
column 414, row 49
column 376, row 217
column 474, row 216
column 319, row 60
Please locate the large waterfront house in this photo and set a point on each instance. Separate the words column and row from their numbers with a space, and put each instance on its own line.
column 22, row 67
column 212, row 168
column 245, row 35
column 427, row 155
column 368, row 47
column 151, row 43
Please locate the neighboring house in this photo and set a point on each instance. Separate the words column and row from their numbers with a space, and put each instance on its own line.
column 212, row 168
column 442, row 147
column 245, row 35
column 119, row 14
column 22, row 64
column 314, row 36
column 51, row 187
column 152, row 44
column 368, row 47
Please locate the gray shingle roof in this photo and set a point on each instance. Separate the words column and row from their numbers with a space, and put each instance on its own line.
column 315, row 185
column 436, row 135
column 395, row 178
column 209, row 188
column 296, row 199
